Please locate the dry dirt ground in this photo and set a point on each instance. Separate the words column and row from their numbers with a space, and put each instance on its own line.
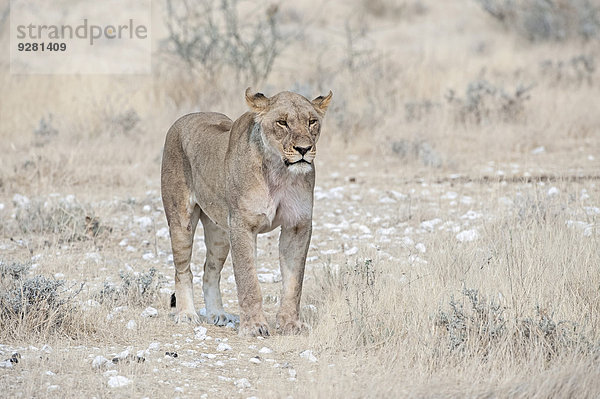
column 455, row 248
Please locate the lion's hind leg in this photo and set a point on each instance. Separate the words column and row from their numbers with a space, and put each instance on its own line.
column 217, row 249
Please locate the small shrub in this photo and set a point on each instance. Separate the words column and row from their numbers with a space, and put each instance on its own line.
column 38, row 305
column 417, row 149
column 45, row 131
column 484, row 102
column 122, row 122
column 480, row 320
column 210, row 36
column 415, row 111
column 393, row 8
column 139, row 289
column 14, row 270
column 576, row 70
column 65, row 217
column 543, row 20
column 478, row 325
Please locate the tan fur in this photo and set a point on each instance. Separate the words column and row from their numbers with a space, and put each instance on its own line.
column 241, row 179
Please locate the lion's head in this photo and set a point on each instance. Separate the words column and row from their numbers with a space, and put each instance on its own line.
column 290, row 126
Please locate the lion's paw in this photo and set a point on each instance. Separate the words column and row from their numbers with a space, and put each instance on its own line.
column 187, row 317
column 292, row 327
column 255, row 327
column 222, row 319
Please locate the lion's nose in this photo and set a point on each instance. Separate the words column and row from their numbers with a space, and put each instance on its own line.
column 303, row 150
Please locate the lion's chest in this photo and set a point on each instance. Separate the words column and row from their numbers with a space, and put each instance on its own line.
column 288, row 202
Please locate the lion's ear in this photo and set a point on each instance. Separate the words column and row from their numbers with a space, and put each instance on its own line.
column 322, row 102
column 257, row 102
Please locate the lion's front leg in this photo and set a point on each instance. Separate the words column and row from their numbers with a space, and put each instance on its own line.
column 293, row 247
column 243, row 249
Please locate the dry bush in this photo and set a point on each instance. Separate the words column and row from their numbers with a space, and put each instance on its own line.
column 66, row 218
column 211, row 36
column 134, row 289
column 484, row 103
column 417, row 149
column 575, row 70
column 476, row 324
column 540, row 20
column 393, row 8
column 38, row 306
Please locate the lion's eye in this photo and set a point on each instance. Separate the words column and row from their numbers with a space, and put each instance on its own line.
column 312, row 122
column 282, row 123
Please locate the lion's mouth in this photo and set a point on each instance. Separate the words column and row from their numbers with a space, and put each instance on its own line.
column 288, row 163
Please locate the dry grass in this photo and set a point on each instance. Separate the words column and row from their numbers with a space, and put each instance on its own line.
column 446, row 126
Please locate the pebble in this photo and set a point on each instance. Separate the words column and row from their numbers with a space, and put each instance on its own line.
column 100, row 361
column 242, row 383
column 131, row 325
column 200, row 333
column 308, row 355
column 118, row 381
column 222, row 347
column 149, row 312
column 255, row 360
column 264, row 350
column 467, row 235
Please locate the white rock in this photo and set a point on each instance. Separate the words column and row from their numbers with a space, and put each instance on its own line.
column 1, row 206
column 179, row 389
column 148, row 256
column 292, row 373
column 147, row 208
column 52, row 388
column 242, row 383
column 471, row 215
column 467, row 235
column 552, row 191
column 466, row 200
column 308, row 355
column 100, row 361
column 200, row 333
column 538, row 150
column 351, row 251
column 222, row 347
column 6, row 364
column 386, row 231
column 264, row 349
column 163, row 232
column 118, row 381
column 154, row 346
column 123, row 242
column 430, row 224
column 131, row 325
column 421, row 247
column 149, row 312
column 50, row 373
column 450, row 195
column 20, row 201
column 144, row 221
column 408, row 241
column 255, row 360
column 231, row 279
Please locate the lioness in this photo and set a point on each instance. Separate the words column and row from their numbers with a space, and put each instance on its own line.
column 241, row 179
